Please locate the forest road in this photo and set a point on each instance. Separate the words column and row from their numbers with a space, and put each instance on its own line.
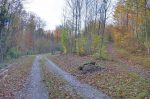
column 34, row 88
column 84, row 90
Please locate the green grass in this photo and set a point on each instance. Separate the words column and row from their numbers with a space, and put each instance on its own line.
column 13, row 60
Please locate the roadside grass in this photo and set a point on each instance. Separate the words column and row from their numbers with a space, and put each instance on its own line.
column 16, row 76
column 3, row 65
column 7, row 62
column 48, row 54
column 142, row 60
column 55, row 85
column 115, row 82
column 11, row 61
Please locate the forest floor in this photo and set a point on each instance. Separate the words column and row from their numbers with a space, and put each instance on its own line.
column 139, row 64
column 13, row 76
column 119, row 78
column 42, row 79
column 83, row 90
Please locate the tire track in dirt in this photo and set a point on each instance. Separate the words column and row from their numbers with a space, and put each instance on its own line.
column 34, row 88
column 84, row 90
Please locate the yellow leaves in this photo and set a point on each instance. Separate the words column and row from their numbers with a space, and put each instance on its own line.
column 80, row 45
column 147, row 44
column 96, row 41
column 64, row 39
column 65, row 49
column 130, row 17
column 16, row 22
column 120, row 8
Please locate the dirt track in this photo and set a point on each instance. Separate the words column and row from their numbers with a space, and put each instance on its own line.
column 34, row 88
column 84, row 90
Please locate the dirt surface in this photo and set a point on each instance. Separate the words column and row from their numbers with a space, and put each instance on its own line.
column 126, row 64
column 34, row 88
column 13, row 77
column 70, row 63
column 114, row 80
column 84, row 90
column 57, row 88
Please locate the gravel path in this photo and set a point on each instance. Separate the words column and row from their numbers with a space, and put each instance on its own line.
column 34, row 88
column 84, row 90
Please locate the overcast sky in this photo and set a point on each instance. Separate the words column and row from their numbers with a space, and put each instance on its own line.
column 49, row 10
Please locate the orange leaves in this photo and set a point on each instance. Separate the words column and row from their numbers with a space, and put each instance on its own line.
column 57, row 35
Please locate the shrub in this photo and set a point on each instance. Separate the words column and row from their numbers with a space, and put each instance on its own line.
column 103, row 55
column 64, row 40
column 13, row 53
column 80, row 45
column 96, row 42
